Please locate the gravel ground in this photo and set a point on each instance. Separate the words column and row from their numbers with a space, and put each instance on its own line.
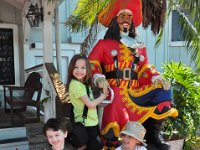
column 176, row 144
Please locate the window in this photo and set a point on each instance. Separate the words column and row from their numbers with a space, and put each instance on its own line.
column 176, row 34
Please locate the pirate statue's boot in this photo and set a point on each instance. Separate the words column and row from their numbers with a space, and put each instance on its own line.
column 110, row 141
column 153, row 137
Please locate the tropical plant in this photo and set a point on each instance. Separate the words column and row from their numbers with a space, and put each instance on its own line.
column 186, row 92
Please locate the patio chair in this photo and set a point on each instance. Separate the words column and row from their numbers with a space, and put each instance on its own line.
column 30, row 95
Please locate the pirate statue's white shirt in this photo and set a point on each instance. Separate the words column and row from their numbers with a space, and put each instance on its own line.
column 130, row 42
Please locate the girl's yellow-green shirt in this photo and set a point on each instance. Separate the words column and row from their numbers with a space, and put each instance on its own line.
column 76, row 91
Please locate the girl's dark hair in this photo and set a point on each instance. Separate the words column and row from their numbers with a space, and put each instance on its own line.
column 72, row 63
column 113, row 31
column 56, row 124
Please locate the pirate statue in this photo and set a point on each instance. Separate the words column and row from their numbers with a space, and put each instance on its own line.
column 140, row 93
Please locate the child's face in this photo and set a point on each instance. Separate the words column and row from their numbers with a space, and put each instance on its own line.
column 129, row 142
column 80, row 70
column 56, row 138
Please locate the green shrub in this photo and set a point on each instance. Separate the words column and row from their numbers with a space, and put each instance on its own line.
column 186, row 92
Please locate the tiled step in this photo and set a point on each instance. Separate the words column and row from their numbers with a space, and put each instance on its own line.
column 37, row 141
column 12, row 133
column 13, row 139
column 14, row 144
column 34, row 128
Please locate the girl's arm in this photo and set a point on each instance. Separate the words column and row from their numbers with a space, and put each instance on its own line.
column 95, row 102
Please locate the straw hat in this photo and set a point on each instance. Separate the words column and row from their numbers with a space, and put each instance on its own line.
column 135, row 130
column 113, row 9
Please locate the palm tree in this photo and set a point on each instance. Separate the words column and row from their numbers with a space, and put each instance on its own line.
column 86, row 12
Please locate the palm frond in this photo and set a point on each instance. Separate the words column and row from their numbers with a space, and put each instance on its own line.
column 89, row 40
column 76, row 24
column 85, row 13
column 192, row 38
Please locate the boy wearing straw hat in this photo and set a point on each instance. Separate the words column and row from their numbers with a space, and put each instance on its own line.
column 132, row 137
column 121, row 62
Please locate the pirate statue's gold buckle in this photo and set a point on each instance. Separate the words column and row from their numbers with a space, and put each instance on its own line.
column 127, row 73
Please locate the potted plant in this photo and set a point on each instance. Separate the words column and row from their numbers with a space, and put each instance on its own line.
column 186, row 92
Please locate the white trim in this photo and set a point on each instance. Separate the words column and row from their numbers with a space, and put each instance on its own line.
column 177, row 44
column 63, row 46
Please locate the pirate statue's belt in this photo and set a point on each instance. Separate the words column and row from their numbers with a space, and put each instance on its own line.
column 126, row 74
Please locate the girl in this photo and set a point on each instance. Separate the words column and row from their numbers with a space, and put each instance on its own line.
column 79, row 87
column 132, row 137
column 56, row 130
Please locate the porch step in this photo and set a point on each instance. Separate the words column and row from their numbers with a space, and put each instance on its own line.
column 13, row 139
column 37, row 141
column 14, row 144
column 34, row 128
column 12, row 133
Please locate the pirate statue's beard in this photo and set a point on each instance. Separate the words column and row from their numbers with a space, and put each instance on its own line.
column 125, row 32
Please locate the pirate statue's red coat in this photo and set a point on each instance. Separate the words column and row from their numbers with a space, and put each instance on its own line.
column 137, row 102
column 140, row 92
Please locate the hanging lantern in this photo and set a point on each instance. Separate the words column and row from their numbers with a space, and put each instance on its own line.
column 33, row 16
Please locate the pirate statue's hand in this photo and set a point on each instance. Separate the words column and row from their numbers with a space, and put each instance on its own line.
column 157, row 80
column 101, row 82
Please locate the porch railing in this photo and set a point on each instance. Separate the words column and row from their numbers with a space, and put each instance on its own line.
column 53, row 88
